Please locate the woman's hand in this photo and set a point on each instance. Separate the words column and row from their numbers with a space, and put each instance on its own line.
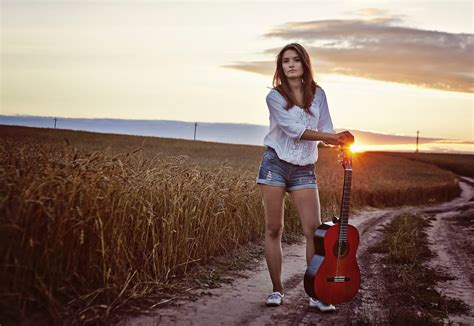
column 345, row 138
column 342, row 138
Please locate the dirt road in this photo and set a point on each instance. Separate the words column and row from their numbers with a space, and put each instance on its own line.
column 242, row 302
column 451, row 238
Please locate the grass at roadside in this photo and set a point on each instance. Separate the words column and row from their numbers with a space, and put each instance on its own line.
column 411, row 284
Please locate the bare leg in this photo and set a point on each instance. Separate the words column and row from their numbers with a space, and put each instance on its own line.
column 307, row 204
column 273, row 202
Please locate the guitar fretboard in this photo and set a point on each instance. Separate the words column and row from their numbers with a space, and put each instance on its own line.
column 346, row 198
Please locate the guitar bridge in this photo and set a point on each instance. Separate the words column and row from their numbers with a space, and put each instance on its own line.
column 338, row 279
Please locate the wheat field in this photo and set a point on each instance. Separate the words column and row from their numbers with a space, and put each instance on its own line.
column 91, row 222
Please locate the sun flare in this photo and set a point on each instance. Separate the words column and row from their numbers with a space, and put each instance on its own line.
column 356, row 148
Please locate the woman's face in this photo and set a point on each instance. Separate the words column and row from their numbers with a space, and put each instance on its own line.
column 292, row 64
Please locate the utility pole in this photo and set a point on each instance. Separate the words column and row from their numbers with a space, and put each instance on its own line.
column 417, row 134
column 195, row 127
column 55, row 122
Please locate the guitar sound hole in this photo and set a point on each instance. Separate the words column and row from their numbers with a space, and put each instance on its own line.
column 343, row 251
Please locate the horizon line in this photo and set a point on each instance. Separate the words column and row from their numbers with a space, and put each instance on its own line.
column 232, row 123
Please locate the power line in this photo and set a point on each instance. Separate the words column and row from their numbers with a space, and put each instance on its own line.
column 417, row 136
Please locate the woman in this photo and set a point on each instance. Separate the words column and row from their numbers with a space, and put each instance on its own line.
column 299, row 118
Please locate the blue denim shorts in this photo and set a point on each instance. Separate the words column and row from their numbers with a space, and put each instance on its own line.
column 275, row 172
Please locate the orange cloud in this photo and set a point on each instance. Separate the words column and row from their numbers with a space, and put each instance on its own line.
column 379, row 50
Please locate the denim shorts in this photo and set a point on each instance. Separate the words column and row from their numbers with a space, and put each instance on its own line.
column 275, row 172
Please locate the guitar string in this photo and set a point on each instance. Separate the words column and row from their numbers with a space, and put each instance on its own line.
column 347, row 181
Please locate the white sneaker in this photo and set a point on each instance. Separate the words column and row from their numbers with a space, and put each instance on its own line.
column 321, row 306
column 274, row 299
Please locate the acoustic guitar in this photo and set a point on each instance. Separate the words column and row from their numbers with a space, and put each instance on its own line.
column 333, row 275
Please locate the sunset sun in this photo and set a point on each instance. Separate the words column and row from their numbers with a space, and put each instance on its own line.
column 356, row 148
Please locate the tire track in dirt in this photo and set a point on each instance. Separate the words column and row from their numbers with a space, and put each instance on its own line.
column 242, row 302
column 450, row 239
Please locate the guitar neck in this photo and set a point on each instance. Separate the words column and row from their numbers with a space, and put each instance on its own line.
column 346, row 198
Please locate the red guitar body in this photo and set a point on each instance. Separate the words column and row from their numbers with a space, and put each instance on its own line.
column 333, row 275
column 329, row 278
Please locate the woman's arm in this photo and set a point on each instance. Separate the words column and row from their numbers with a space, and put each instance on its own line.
column 342, row 138
column 297, row 131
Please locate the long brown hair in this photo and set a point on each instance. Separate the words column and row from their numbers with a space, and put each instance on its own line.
column 281, row 84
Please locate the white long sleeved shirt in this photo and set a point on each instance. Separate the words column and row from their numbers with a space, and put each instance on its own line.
column 287, row 127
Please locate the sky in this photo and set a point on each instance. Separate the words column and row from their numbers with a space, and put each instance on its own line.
column 389, row 67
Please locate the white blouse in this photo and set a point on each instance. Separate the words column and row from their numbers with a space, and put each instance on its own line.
column 287, row 127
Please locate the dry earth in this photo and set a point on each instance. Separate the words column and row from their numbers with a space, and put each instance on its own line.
column 242, row 302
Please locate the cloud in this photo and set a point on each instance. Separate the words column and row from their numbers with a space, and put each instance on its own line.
column 375, row 48
column 371, row 12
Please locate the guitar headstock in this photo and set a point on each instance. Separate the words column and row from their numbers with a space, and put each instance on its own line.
column 345, row 157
